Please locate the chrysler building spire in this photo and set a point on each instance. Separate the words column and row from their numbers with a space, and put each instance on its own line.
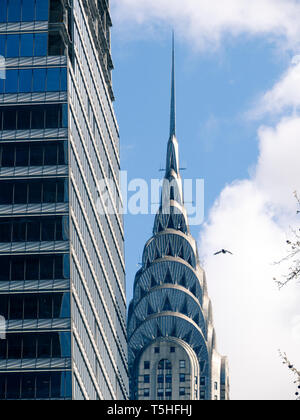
column 173, row 99
column 172, row 341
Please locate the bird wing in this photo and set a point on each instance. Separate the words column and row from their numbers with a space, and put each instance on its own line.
column 217, row 253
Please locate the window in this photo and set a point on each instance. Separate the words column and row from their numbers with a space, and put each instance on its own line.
column 56, row 11
column 164, row 379
column 202, row 381
column 202, row 395
column 160, row 393
column 37, row 306
column 23, row 10
column 156, row 350
column 33, row 191
column 35, row 385
column 182, row 364
column 26, row 117
column 146, row 365
column 23, row 45
column 146, row 392
column 168, row 378
column 23, row 268
column 182, row 377
column 182, row 392
column 56, row 45
column 168, row 393
column 160, row 379
column 216, row 386
column 146, row 379
column 172, row 350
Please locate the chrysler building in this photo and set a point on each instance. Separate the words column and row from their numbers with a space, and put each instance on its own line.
column 172, row 341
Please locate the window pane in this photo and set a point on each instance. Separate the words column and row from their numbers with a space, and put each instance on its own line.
column 46, row 268
column 43, row 385
column 13, row 386
column 42, row 10
column 35, row 192
column 33, row 231
column 11, row 82
column 32, row 268
column 5, row 231
column 14, row 346
column 40, row 45
column 22, row 154
column 8, row 155
column 20, row 194
column 3, row 10
column 24, row 119
column 49, row 191
column 5, row 269
column 16, row 307
column 52, row 120
column 28, row 385
column 50, row 154
column 25, row 81
column 53, row 80
column 48, row 230
column 26, row 45
column 9, row 119
column 63, row 79
column 45, row 305
column 30, row 306
column 29, row 347
column 44, row 346
column 12, row 46
column 19, row 231
column 36, row 155
column 6, row 196
column 14, row 10
column 39, row 80
column 28, row 10
column 37, row 120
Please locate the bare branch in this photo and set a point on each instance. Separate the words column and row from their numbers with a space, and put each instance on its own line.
column 292, row 368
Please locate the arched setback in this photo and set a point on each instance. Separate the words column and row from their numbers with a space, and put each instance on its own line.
column 168, row 370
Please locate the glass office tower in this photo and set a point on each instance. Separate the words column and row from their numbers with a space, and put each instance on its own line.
column 62, row 284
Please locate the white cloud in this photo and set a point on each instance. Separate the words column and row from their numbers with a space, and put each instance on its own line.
column 284, row 95
column 251, row 218
column 205, row 23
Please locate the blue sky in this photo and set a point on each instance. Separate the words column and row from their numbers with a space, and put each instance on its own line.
column 237, row 126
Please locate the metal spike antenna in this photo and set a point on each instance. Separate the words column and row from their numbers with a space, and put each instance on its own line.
column 173, row 99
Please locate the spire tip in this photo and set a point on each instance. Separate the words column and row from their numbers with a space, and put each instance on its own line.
column 173, row 106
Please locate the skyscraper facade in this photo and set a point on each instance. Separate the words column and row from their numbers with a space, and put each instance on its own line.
column 62, row 281
column 172, row 341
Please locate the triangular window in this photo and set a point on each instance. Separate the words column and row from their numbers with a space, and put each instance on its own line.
column 150, row 310
column 183, row 281
column 168, row 278
column 153, row 282
column 167, row 305
column 184, row 309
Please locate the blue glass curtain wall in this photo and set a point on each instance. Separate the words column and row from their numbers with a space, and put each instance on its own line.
column 24, row 10
column 34, row 267
column 33, row 153
column 24, row 45
column 34, row 80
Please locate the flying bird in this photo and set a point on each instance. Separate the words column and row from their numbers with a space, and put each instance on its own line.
column 223, row 251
